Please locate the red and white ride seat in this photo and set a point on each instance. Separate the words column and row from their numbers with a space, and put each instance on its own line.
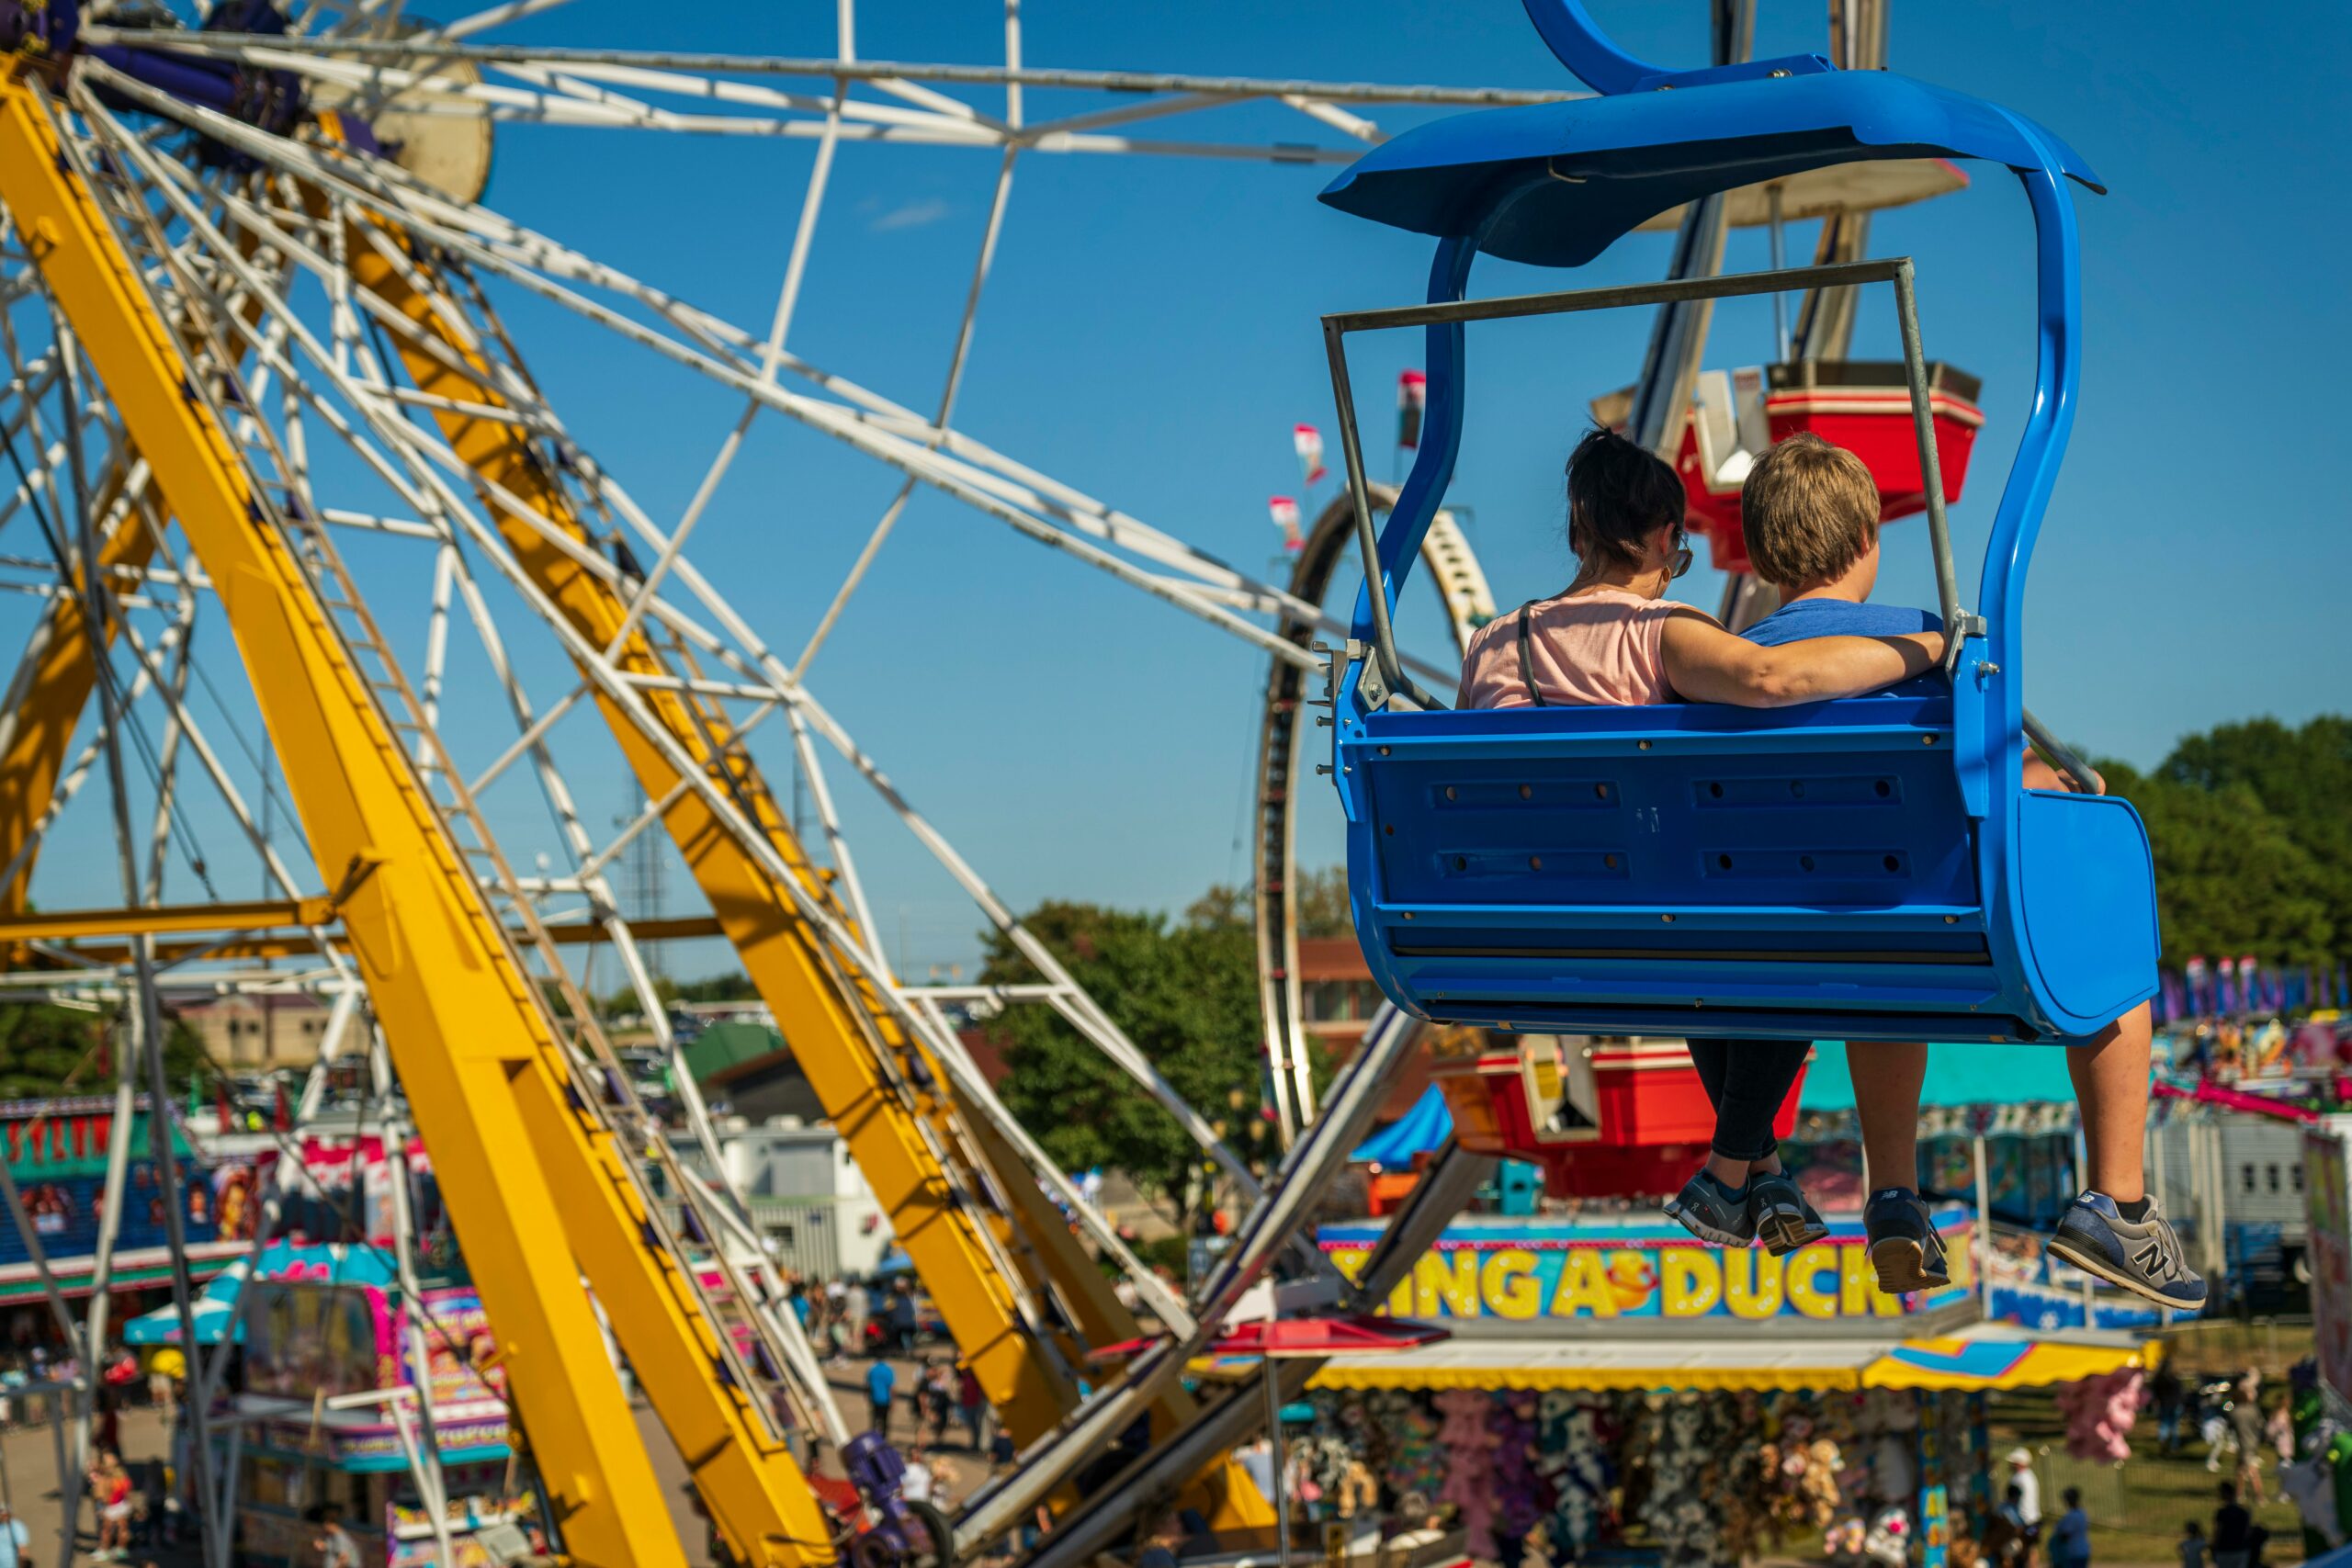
column 1604, row 1117
column 1861, row 405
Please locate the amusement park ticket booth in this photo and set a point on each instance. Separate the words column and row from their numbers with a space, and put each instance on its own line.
column 330, row 1418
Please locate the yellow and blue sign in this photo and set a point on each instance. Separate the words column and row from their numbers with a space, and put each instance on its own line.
column 1531, row 1270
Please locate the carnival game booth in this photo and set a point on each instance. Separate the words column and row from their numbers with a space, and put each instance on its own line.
column 57, row 1153
column 330, row 1417
column 1612, row 1387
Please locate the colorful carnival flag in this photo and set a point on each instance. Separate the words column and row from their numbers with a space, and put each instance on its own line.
column 1285, row 513
column 1307, row 442
column 1412, row 396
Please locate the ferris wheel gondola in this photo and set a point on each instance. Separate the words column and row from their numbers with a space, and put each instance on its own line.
column 1868, row 869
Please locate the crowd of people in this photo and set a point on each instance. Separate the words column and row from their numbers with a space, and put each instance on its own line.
column 2233, row 1417
column 842, row 1318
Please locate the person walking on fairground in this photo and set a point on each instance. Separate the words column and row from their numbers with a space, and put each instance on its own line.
column 881, row 1382
column 973, row 1403
column 15, row 1541
column 939, row 1397
column 334, row 1546
column 2245, row 1425
column 1809, row 513
column 2232, row 1531
column 2029, row 1487
column 2170, row 1395
column 2070, row 1540
column 915, row 1485
column 902, row 1317
column 2005, row 1543
column 110, row 1489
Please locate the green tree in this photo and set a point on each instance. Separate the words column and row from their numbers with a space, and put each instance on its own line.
column 2252, row 825
column 2230, row 879
column 1319, row 902
column 46, row 1050
column 1185, row 993
column 2303, row 780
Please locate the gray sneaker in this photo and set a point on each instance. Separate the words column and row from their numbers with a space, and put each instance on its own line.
column 1782, row 1217
column 2141, row 1256
column 1710, row 1211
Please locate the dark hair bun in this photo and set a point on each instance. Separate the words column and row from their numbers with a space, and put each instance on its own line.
column 1619, row 493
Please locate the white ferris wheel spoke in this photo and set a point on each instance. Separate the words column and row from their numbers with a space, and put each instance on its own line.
column 334, row 384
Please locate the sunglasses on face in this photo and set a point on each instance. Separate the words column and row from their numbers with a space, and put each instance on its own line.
column 1682, row 556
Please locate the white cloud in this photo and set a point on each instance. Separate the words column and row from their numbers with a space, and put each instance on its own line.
column 912, row 215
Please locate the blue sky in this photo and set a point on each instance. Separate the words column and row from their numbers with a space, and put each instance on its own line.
column 1150, row 336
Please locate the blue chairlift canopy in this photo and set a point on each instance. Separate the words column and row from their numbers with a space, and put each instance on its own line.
column 1618, row 161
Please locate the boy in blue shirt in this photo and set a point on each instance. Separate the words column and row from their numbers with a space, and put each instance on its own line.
column 1809, row 511
column 881, row 1381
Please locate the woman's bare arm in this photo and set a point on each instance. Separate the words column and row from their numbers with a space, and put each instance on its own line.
column 1707, row 664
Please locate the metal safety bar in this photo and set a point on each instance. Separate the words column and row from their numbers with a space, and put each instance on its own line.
column 1959, row 623
column 1895, row 270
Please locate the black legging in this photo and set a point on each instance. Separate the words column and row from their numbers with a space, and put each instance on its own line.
column 1746, row 1081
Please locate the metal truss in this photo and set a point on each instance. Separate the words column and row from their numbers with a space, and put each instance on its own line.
column 262, row 270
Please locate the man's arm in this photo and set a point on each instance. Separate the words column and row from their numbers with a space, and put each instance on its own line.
column 1707, row 664
column 2039, row 774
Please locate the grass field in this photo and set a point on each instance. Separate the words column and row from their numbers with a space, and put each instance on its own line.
column 2138, row 1506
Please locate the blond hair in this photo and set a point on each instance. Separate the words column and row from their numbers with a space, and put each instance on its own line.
column 1808, row 510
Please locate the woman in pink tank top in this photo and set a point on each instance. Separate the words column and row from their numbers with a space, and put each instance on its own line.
column 1612, row 638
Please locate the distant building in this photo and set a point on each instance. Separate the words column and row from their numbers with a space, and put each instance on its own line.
column 1336, row 994
column 748, row 1069
column 807, row 1198
column 261, row 1030
column 1337, row 998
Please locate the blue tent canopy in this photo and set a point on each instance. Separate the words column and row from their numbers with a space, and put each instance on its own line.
column 1418, row 1131
column 1616, row 160
column 215, row 1308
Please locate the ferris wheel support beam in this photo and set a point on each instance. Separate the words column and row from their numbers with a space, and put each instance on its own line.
column 58, row 668
column 46, row 698
column 476, row 1046
column 761, row 919
column 1022, row 497
column 671, row 750
column 805, row 1376
column 143, row 1018
column 1098, row 1025
column 615, row 695
column 948, row 474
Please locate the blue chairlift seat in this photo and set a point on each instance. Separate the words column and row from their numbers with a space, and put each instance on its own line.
column 1867, row 869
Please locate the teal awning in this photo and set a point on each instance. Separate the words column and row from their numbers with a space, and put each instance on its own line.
column 1957, row 1075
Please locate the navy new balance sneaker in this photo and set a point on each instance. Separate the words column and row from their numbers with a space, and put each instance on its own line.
column 1905, row 1251
column 2142, row 1255
column 1711, row 1211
